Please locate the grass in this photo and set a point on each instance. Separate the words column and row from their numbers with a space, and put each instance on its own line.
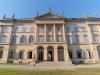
column 50, row 72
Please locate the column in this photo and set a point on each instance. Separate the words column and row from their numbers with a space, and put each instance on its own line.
column 25, row 57
column 54, row 33
column 35, row 55
column 45, row 54
column 45, row 31
column 36, row 33
column 64, row 33
column 55, row 55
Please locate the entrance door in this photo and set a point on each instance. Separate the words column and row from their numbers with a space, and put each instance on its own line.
column 60, row 54
column 50, row 55
column 40, row 53
column 40, row 56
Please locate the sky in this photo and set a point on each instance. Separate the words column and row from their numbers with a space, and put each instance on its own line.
column 29, row 8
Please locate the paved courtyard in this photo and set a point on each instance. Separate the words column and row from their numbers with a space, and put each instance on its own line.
column 29, row 67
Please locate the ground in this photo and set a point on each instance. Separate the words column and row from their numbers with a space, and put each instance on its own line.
column 87, row 69
column 50, row 72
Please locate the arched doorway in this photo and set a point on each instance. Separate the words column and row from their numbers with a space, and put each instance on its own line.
column 60, row 53
column 50, row 53
column 40, row 53
column 1, row 52
column 98, row 49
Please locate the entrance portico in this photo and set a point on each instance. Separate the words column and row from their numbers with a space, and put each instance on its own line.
column 51, row 53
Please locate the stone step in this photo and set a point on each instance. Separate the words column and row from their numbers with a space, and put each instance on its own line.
column 53, row 64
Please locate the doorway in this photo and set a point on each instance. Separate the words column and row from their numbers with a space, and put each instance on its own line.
column 40, row 53
column 60, row 54
column 50, row 54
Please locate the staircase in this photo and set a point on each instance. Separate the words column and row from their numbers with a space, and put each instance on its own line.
column 50, row 63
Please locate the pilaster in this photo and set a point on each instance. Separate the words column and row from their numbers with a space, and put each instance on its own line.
column 55, row 55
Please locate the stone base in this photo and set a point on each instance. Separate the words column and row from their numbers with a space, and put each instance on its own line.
column 89, row 61
column 3, row 61
column 16, row 61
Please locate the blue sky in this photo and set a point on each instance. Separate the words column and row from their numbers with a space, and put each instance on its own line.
column 29, row 8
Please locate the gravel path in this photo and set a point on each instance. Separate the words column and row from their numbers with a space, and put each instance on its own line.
column 29, row 67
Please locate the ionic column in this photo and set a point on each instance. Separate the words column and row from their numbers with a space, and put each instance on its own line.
column 36, row 33
column 54, row 34
column 64, row 39
column 55, row 55
column 45, row 31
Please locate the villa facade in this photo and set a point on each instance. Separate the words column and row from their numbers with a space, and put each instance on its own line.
column 50, row 38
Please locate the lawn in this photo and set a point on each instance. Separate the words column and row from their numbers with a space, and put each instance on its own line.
column 50, row 72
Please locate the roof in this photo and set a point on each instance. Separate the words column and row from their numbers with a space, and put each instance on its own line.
column 50, row 16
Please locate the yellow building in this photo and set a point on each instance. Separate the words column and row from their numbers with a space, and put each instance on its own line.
column 50, row 38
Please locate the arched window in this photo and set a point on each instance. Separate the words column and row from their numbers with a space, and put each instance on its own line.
column 14, row 39
column 31, row 39
column 23, row 40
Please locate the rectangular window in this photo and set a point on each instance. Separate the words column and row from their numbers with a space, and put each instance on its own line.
column 41, row 38
column 59, row 38
column 21, row 55
column 5, row 28
column 95, row 38
column 79, row 54
column 59, row 28
column 93, row 27
column 41, row 29
column 32, row 29
column 75, row 39
column 69, row 39
column 50, row 29
column 29, row 55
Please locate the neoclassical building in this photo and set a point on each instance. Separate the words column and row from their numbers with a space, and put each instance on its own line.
column 50, row 38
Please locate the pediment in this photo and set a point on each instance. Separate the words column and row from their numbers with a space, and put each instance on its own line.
column 49, row 15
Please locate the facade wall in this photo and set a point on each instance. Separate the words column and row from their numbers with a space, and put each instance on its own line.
column 48, row 39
